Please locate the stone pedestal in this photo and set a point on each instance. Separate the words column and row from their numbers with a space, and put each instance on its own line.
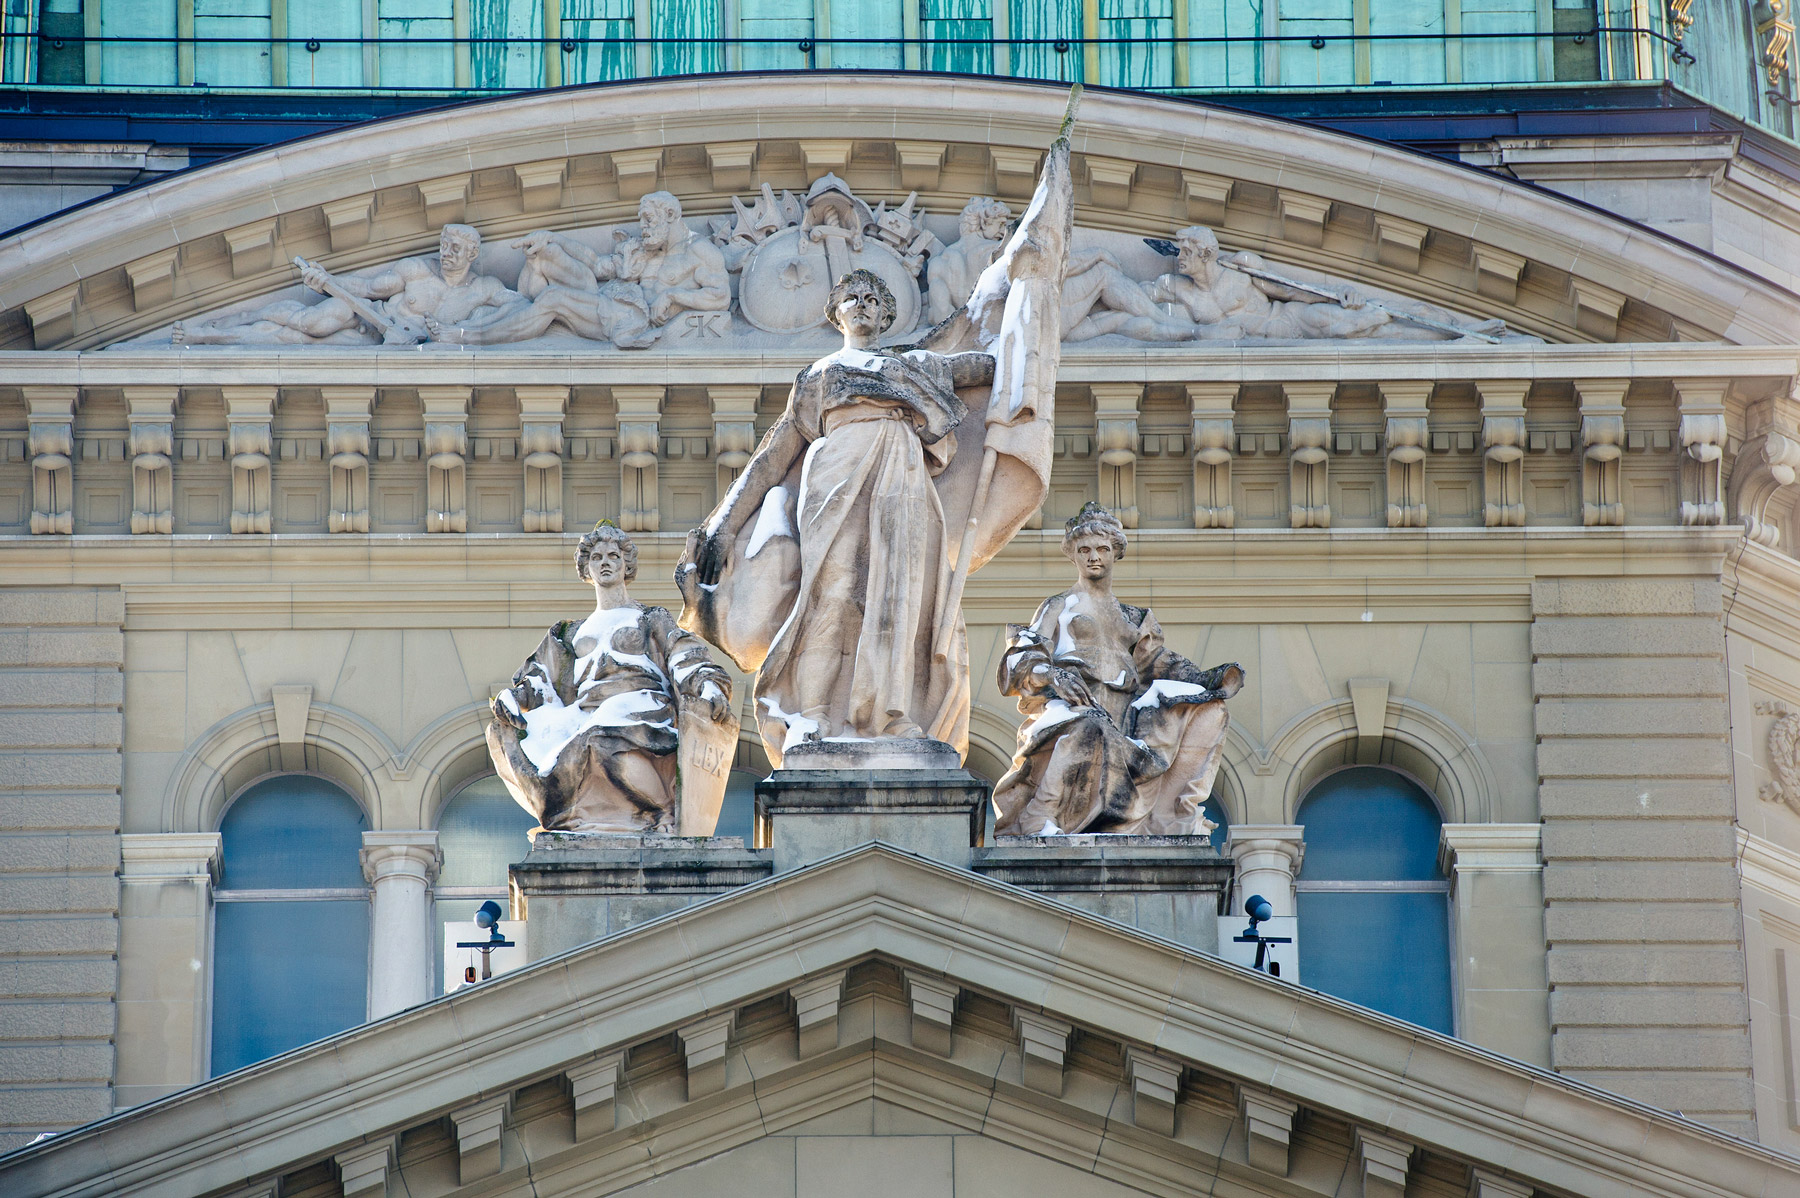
column 1170, row 886
column 830, row 796
column 575, row 888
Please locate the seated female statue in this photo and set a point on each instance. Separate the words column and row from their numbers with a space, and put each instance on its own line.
column 1121, row 734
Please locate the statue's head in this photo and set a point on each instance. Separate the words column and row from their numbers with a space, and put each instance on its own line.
column 986, row 217
column 862, row 303
column 606, row 554
column 659, row 220
column 458, row 246
column 1197, row 246
column 1094, row 539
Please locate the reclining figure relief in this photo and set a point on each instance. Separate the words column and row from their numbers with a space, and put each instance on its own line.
column 1122, row 734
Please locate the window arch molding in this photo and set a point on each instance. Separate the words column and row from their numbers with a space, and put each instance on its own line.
column 447, row 755
column 1417, row 741
column 243, row 748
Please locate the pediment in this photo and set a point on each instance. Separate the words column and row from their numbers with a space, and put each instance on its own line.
column 879, row 997
column 1396, row 224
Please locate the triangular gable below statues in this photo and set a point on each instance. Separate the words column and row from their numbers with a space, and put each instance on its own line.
column 880, row 1020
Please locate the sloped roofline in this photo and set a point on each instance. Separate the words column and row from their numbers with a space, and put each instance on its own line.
column 124, row 233
column 876, row 901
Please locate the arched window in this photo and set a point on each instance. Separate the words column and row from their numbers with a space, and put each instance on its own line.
column 1374, row 908
column 481, row 831
column 291, row 929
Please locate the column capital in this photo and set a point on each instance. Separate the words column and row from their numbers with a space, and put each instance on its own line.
column 1490, row 848
column 401, row 854
column 169, row 856
column 1283, row 840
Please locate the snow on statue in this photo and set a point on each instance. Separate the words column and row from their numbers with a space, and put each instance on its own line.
column 835, row 565
column 586, row 738
column 1121, row 734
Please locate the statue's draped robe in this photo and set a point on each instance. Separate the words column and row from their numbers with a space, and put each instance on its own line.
column 777, row 606
column 592, row 692
column 1139, row 762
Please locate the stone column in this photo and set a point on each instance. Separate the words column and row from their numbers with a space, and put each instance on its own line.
column 165, row 899
column 1602, row 445
column 1116, row 440
column 1503, row 452
column 151, row 445
column 51, row 443
column 1267, row 859
column 541, row 449
column 446, row 464
column 1309, row 453
column 400, row 866
column 1497, row 937
column 1214, row 442
column 640, row 449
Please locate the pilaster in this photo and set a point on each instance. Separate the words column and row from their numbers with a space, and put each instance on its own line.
column 1214, row 439
column 347, row 441
column 446, row 458
column 250, row 412
column 151, row 444
column 1116, row 440
column 734, row 429
column 541, row 411
column 640, row 443
column 1701, row 433
column 50, row 437
column 1503, row 452
column 1407, row 435
column 1309, row 453
column 165, row 905
column 1497, row 937
column 1602, row 444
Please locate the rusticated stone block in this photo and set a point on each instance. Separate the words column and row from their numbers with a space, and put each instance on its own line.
column 1626, row 596
column 1635, row 636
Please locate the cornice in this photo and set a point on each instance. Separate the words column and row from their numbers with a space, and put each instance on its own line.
column 590, row 366
column 1768, row 866
column 395, row 580
column 721, row 955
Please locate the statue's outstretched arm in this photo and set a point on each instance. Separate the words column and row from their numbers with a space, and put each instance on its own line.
column 781, row 447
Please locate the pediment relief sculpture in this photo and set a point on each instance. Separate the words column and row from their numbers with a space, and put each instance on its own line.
column 1122, row 735
column 759, row 277
column 618, row 723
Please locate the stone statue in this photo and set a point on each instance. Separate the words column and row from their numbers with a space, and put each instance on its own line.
column 953, row 271
column 586, row 737
column 1121, row 734
column 1210, row 296
column 422, row 291
column 831, row 566
column 624, row 297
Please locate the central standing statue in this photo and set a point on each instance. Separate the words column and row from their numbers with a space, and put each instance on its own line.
column 835, row 564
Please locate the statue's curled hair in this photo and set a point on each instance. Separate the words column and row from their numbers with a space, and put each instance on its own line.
column 890, row 309
column 1094, row 521
column 606, row 530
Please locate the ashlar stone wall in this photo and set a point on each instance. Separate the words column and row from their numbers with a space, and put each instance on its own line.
column 1646, row 960
column 62, row 655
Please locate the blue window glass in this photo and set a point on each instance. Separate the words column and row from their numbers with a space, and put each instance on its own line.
column 1374, row 910
column 291, row 832
column 286, row 974
column 291, row 928
column 481, row 832
column 737, row 815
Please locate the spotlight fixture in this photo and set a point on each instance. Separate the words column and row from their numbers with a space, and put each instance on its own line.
column 487, row 918
column 1260, row 911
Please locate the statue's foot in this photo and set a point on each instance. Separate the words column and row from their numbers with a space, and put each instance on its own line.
column 178, row 334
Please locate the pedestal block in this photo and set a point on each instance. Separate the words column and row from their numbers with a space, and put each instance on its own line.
column 574, row 888
column 807, row 814
column 1170, row 886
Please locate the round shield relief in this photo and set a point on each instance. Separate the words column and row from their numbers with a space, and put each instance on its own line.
column 787, row 279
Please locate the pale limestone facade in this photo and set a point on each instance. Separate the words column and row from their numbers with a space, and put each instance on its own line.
column 1581, row 655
